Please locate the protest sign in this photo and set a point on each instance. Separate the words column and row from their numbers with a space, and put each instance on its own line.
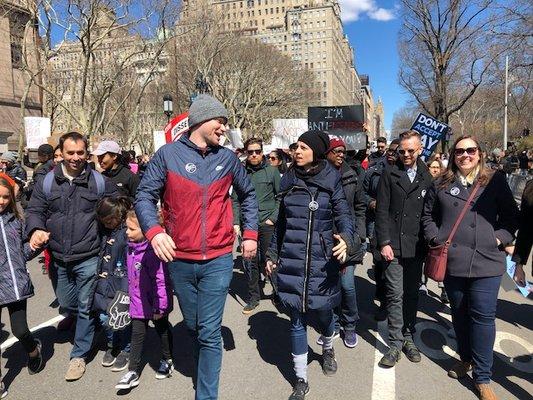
column 37, row 130
column 286, row 131
column 177, row 127
column 345, row 122
column 431, row 131
column 159, row 139
column 235, row 138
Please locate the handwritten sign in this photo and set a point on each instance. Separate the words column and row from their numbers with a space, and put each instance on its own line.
column 37, row 130
column 345, row 122
column 432, row 131
column 286, row 131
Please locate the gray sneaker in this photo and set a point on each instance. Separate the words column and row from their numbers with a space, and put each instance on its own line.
column 329, row 363
column 128, row 381
column 122, row 361
column 109, row 358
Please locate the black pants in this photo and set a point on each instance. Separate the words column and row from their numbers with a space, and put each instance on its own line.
column 138, row 333
column 378, row 266
column 19, row 324
column 257, row 264
column 402, row 279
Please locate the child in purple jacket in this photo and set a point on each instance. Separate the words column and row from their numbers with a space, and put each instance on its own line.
column 150, row 299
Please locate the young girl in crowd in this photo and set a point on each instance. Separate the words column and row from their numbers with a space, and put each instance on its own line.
column 112, row 277
column 150, row 299
column 15, row 283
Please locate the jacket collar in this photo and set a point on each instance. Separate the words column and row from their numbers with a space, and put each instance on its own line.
column 399, row 171
column 259, row 167
column 324, row 179
column 138, row 247
column 455, row 189
column 113, row 172
column 82, row 178
column 7, row 217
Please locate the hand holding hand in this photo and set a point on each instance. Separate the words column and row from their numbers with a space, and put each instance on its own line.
column 249, row 249
column 164, row 247
column 38, row 239
column 387, row 253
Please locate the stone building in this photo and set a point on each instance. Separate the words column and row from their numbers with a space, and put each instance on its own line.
column 309, row 31
column 16, row 30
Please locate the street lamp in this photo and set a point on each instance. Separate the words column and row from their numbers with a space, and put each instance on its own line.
column 167, row 106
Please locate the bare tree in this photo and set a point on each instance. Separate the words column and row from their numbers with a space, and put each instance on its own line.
column 447, row 49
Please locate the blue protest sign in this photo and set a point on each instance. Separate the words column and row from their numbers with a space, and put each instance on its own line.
column 431, row 131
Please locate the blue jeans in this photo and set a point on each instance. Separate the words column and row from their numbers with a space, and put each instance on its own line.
column 326, row 325
column 116, row 340
column 347, row 314
column 473, row 303
column 76, row 282
column 202, row 288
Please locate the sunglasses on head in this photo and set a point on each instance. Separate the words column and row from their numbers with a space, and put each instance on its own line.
column 459, row 151
column 404, row 152
column 250, row 152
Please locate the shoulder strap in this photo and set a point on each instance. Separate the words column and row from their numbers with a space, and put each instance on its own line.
column 47, row 184
column 463, row 212
column 100, row 182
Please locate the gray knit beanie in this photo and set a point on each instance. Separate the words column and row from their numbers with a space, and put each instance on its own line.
column 9, row 156
column 204, row 108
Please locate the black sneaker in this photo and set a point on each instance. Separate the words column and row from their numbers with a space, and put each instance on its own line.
column 122, row 361
column 250, row 307
column 35, row 364
column 165, row 369
column 329, row 363
column 381, row 313
column 128, row 381
column 109, row 358
column 411, row 351
column 300, row 389
column 3, row 390
column 391, row 358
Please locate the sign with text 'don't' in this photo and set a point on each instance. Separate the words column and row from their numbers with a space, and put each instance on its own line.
column 431, row 131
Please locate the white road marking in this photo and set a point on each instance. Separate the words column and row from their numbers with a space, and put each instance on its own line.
column 12, row 340
column 383, row 379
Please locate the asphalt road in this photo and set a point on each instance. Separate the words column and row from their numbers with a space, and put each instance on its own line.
column 257, row 363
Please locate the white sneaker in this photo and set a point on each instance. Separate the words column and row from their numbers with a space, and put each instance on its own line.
column 128, row 381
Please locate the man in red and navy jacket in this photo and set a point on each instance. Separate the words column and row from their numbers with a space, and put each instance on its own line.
column 192, row 178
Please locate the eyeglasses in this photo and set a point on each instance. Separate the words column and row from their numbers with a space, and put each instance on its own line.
column 272, row 158
column 251, row 152
column 469, row 150
column 403, row 151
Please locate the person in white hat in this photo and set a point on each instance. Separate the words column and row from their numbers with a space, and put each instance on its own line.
column 110, row 160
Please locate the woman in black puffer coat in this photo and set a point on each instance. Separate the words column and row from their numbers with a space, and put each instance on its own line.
column 305, row 251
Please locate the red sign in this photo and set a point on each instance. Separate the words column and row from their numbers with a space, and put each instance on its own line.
column 177, row 127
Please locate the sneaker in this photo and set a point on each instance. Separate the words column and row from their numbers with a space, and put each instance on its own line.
column 459, row 370
column 165, row 369
column 250, row 307
column 320, row 340
column 485, row 391
column 411, row 351
column 128, row 381
column 109, row 358
column 76, row 369
column 3, row 390
column 391, row 358
column 300, row 389
column 121, row 362
column 329, row 363
column 381, row 313
column 444, row 297
column 423, row 288
column 350, row 339
column 35, row 364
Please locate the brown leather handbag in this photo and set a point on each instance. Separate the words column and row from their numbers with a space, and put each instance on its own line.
column 437, row 257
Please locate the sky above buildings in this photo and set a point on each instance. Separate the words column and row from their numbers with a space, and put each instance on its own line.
column 372, row 28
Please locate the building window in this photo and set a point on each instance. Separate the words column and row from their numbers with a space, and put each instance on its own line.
column 17, row 22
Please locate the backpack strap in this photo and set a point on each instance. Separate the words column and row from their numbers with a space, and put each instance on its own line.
column 100, row 182
column 47, row 184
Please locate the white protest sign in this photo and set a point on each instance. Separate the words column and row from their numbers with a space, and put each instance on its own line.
column 159, row 139
column 287, row 131
column 37, row 130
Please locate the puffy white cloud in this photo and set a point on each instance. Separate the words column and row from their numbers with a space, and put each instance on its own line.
column 352, row 10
